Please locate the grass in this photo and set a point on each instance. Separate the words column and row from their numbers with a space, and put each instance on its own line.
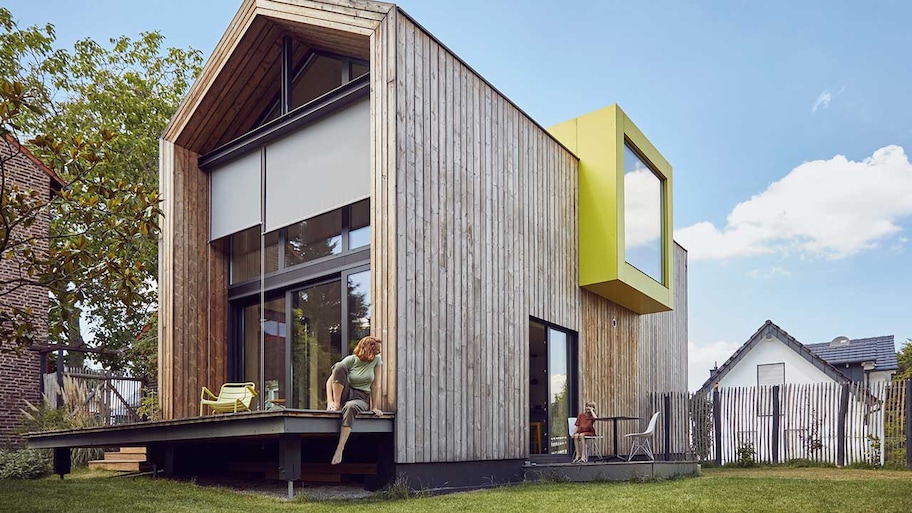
column 730, row 490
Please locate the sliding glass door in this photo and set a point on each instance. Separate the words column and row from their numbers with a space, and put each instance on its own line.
column 326, row 320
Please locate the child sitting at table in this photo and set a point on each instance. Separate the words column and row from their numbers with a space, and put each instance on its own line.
column 585, row 426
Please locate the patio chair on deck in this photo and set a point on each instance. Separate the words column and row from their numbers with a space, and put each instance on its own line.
column 591, row 447
column 232, row 398
column 641, row 440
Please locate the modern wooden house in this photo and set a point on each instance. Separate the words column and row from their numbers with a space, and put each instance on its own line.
column 337, row 171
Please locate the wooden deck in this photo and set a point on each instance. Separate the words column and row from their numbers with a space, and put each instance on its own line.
column 229, row 425
column 290, row 445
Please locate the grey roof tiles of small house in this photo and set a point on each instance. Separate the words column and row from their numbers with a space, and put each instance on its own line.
column 879, row 350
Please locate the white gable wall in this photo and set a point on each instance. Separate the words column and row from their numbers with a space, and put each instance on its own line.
column 797, row 369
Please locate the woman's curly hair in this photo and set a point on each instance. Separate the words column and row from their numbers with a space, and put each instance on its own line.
column 367, row 349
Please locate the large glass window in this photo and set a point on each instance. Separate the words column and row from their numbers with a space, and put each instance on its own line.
column 245, row 254
column 273, row 326
column 300, row 243
column 315, row 238
column 360, row 234
column 643, row 216
column 316, row 342
column 359, row 303
column 320, row 76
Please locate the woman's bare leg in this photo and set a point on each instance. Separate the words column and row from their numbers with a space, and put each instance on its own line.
column 343, row 438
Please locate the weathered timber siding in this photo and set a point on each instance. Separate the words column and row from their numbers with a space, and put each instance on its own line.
column 486, row 236
column 383, row 201
column 624, row 367
column 192, row 340
column 662, row 360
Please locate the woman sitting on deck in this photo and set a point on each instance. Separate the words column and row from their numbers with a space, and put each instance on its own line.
column 355, row 387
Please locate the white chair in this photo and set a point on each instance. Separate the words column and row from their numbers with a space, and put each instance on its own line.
column 590, row 447
column 641, row 440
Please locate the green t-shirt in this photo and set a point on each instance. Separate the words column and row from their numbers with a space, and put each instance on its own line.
column 361, row 374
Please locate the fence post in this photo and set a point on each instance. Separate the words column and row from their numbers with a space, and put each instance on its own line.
column 667, row 415
column 841, row 426
column 60, row 378
column 775, row 439
column 908, row 415
column 717, row 425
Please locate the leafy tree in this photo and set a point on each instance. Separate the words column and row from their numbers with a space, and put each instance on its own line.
column 904, row 358
column 131, row 89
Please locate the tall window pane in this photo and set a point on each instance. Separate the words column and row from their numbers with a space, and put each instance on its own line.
column 359, row 303
column 643, row 191
column 245, row 254
column 559, row 391
column 322, row 75
column 316, row 342
column 315, row 238
column 360, row 232
column 273, row 355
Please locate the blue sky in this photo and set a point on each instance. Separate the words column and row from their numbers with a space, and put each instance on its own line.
column 788, row 125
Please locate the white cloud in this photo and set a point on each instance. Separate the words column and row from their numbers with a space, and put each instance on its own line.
column 825, row 208
column 772, row 271
column 824, row 99
column 702, row 357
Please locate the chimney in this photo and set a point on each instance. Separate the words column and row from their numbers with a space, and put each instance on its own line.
column 714, row 370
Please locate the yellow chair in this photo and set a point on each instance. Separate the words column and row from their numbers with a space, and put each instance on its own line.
column 232, row 398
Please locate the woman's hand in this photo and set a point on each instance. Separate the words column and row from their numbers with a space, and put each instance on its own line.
column 331, row 406
column 377, row 412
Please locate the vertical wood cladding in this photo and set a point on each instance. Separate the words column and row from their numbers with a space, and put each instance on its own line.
column 486, row 227
column 625, row 365
column 19, row 373
column 193, row 340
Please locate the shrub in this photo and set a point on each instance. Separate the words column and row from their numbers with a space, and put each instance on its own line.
column 746, row 455
column 23, row 464
column 76, row 412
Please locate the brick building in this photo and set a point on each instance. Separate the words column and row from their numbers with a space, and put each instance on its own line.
column 19, row 373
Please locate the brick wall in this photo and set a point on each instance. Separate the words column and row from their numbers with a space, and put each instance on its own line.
column 19, row 373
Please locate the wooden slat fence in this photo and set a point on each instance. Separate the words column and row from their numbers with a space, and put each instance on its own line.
column 824, row 422
column 115, row 397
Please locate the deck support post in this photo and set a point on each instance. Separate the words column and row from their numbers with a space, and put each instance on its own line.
column 290, row 460
column 62, row 463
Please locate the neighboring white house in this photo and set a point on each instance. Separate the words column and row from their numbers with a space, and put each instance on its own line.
column 810, row 379
column 773, row 357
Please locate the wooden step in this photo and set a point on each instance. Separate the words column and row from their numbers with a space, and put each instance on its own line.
column 124, row 456
column 122, row 466
column 133, row 450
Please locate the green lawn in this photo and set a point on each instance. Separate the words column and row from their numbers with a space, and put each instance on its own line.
column 728, row 490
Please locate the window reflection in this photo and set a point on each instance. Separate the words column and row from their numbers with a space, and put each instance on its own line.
column 359, row 234
column 273, row 325
column 643, row 215
column 315, row 238
column 359, row 303
column 245, row 254
column 316, row 342
column 322, row 75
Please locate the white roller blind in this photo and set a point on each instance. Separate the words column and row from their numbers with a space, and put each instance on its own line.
column 319, row 168
column 235, row 196
column 770, row 374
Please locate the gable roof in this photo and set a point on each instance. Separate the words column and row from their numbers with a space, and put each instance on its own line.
column 770, row 329
column 56, row 182
column 879, row 350
column 243, row 73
